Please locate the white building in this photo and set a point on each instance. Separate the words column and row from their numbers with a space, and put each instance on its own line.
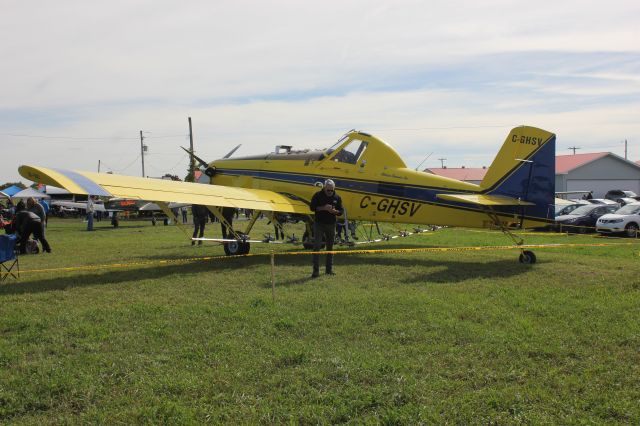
column 598, row 172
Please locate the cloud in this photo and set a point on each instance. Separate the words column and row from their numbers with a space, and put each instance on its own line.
column 442, row 77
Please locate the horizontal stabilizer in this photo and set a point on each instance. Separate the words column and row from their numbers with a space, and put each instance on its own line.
column 484, row 200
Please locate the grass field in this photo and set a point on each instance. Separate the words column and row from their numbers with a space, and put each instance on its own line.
column 468, row 337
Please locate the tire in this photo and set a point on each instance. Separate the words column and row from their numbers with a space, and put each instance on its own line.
column 631, row 230
column 527, row 257
column 237, row 248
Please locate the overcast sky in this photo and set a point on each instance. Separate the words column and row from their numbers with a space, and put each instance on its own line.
column 443, row 79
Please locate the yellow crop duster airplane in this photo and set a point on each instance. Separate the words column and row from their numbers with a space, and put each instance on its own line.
column 375, row 184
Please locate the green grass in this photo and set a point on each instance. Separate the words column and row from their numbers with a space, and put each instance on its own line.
column 397, row 338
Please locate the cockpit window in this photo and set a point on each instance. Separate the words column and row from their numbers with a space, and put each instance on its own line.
column 337, row 144
column 351, row 153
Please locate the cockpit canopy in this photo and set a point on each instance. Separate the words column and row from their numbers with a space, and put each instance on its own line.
column 362, row 148
column 350, row 153
column 353, row 148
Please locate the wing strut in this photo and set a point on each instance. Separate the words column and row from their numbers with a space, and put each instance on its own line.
column 165, row 208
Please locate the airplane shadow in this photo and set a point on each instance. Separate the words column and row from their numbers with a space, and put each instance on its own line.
column 447, row 272
column 120, row 276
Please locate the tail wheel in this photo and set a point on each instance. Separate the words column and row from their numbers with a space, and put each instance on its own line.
column 237, row 248
column 631, row 230
column 527, row 257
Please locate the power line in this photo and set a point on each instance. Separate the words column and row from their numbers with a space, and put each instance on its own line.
column 166, row 136
column 130, row 164
column 22, row 135
column 82, row 138
column 448, row 128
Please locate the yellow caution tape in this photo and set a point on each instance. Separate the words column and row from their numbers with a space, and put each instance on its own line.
column 338, row 252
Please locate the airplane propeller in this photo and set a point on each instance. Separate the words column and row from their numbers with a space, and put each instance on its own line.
column 209, row 171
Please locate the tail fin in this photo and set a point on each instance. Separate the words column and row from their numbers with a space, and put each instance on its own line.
column 525, row 169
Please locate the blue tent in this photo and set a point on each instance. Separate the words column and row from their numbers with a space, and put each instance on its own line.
column 11, row 191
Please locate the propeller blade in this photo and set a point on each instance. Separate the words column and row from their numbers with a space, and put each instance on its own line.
column 232, row 151
column 200, row 160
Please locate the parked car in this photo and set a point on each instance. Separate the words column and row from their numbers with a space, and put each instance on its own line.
column 583, row 219
column 563, row 209
column 625, row 220
column 626, row 200
column 601, row 201
column 614, row 194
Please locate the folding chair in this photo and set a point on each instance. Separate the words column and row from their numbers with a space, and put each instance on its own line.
column 8, row 258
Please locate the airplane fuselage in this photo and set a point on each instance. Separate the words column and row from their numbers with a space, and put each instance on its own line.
column 373, row 181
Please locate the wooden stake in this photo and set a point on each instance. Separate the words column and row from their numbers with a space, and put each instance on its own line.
column 273, row 277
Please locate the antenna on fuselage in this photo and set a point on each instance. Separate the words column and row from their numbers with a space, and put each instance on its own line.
column 422, row 162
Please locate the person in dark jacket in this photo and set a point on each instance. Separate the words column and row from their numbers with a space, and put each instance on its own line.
column 34, row 207
column 326, row 205
column 27, row 223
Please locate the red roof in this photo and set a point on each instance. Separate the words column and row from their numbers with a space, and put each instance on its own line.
column 566, row 163
column 463, row 173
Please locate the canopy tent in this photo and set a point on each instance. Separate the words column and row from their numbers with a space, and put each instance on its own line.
column 10, row 191
column 30, row 192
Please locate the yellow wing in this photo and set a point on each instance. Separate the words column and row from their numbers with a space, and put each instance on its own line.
column 109, row 185
column 484, row 200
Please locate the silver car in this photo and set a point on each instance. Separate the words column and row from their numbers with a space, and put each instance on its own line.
column 624, row 220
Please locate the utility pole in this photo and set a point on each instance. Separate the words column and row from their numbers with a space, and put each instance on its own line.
column 192, row 161
column 142, row 151
column 574, row 149
column 98, row 166
column 442, row 162
column 625, row 149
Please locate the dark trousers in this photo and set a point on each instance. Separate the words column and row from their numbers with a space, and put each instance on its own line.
column 198, row 226
column 328, row 231
column 227, row 213
column 34, row 228
column 278, row 231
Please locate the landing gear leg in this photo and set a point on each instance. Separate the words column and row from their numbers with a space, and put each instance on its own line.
column 231, row 248
column 526, row 256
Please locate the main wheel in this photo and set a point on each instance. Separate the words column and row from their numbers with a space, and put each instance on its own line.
column 527, row 257
column 237, row 248
column 631, row 230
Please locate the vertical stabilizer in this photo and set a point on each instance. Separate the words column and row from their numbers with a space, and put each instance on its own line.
column 525, row 169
